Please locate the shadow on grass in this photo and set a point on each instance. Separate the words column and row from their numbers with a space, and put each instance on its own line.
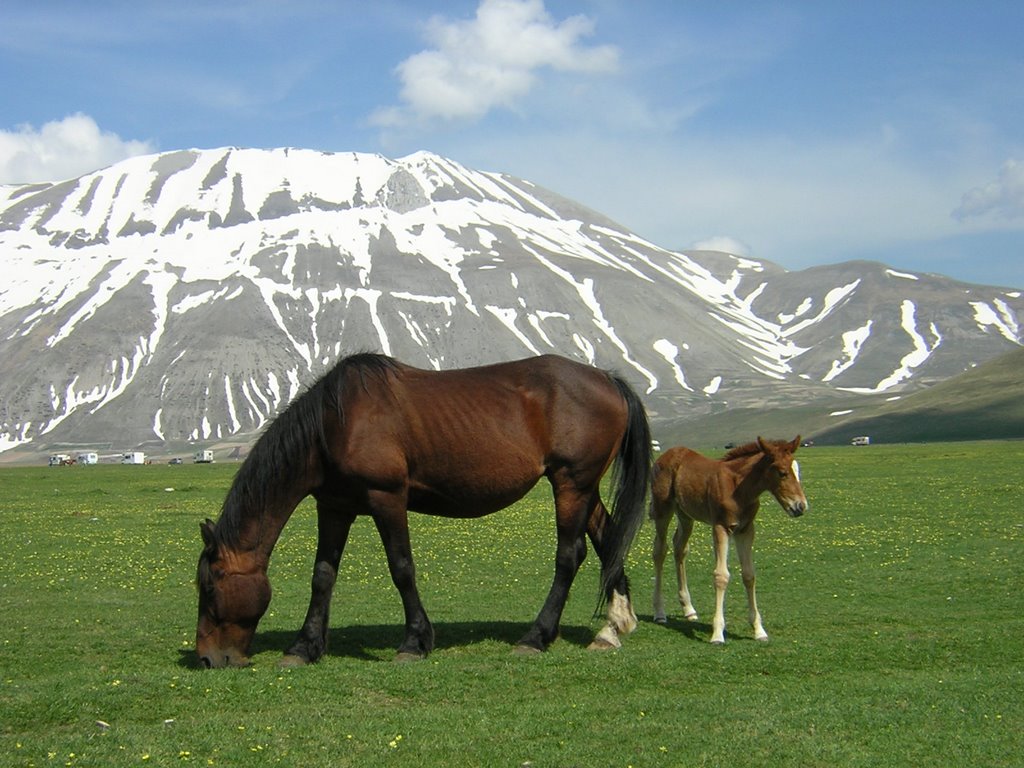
column 698, row 631
column 379, row 642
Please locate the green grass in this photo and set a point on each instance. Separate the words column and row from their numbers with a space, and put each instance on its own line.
column 894, row 609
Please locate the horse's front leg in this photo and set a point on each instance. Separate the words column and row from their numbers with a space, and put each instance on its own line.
column 333, row 526
column 720, row 536
column 392, row 521
column 745, row 550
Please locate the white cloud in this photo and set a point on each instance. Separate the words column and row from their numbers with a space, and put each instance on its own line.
column 492, row 60
column 1002, row 198
column 61, row 149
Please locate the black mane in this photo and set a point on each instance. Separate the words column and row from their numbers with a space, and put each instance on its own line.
column 281, row 454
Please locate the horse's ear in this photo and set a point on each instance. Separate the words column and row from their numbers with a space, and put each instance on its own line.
column 761, row 445
column 206, row 529
column 795, row 444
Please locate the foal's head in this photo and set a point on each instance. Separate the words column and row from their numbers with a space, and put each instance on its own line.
column 783, row 475
column 234, row 593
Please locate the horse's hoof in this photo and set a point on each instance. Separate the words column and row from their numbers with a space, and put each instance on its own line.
column 605, row 641
column 526, row 650
column 404, row 657
column 292, row 660
column 762, row 639
column 661, row 620
column 691, row 616
column 717, row 642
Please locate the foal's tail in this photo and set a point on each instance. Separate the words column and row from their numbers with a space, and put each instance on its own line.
column 630, row 479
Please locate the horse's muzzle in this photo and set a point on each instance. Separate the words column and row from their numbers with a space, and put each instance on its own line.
column 796, row 508
column 217, row 659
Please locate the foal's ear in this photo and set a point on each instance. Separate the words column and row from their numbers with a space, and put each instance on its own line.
column 795, row 444
column 761, row 445
column 206, row 529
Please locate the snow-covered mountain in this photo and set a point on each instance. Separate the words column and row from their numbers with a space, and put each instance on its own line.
column 188, row 296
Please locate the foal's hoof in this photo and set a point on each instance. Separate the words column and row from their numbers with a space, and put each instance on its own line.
column 661, row 619
column 605, row 640
column 404, row 657
column 292, row 660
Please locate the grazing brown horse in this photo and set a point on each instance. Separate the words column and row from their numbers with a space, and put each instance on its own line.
column 376, row 437
column 725, row 494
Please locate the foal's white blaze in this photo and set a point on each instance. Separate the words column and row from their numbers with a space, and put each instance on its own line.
column 796, row 470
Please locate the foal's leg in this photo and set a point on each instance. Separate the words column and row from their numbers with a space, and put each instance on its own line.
column 745, row 550
column 333, row 526
column 621, row 616
column 392, row 521
column 570, row 522
column 681, row 548
column 721, row 577
column 658, row 552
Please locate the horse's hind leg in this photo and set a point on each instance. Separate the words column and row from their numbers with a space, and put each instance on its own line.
column 621, row 616
column 745, row 550
column 658, row 553
column 332, row 532
column 571, row 550
column 681, row 548
column 391, row 519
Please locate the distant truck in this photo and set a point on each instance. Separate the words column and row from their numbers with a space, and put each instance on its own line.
column 59, row 459
column 203, row 457
column 861, row 440
column 133, row 457
column 88, row 458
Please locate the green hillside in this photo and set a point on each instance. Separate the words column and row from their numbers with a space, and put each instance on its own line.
column 984, row 403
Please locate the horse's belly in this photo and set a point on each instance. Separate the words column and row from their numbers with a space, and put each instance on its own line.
column 471, row 492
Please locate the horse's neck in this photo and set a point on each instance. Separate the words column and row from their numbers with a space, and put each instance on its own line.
column 260, row 532
column 752, row 479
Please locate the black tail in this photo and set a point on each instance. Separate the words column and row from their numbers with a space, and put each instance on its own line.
column 630, row 479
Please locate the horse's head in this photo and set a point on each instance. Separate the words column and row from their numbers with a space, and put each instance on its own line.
column 234, row 593
column 784, row 475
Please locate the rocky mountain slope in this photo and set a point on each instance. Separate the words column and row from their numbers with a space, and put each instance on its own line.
column 188, row 296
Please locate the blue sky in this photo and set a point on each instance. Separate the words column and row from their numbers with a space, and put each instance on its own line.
column 803, row 133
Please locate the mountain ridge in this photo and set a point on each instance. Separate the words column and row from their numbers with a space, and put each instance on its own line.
column 188, row 296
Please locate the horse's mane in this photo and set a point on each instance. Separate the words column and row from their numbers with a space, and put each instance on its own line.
column 281, row 453
column 748, row 449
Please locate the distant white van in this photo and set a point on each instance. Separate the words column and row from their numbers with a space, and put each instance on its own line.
column 203, row 457
column 88, row 458
column 133, row 457
column 861, row 440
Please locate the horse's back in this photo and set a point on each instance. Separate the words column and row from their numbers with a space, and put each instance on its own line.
column 473, row 440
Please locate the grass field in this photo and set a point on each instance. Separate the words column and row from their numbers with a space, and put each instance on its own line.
column 894, row 608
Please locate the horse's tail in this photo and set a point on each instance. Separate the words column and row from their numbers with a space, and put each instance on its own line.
column 630, row 479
